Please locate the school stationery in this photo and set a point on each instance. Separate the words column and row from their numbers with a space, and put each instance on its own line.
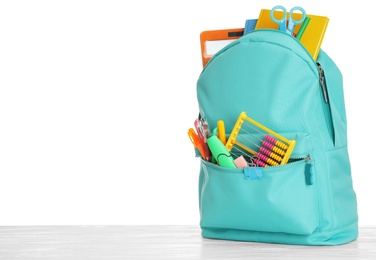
column 248, row 135
column 291, row 22
column 241, row 162
column 203, row 134
column 308, row 200
column 221, row 131
column 197, row 143
column 249, row 25
column 221, row 155
column 302, row 28
column 313, row 34
column 213, row 40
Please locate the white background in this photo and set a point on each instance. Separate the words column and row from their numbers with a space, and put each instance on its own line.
column 96, row 98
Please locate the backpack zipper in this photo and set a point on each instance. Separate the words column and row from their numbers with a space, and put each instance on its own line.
column 323, row 83
column 307, row 170
column 327, row 110
column 255, row 172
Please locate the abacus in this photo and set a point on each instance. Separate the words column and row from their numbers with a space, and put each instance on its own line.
column 273, row 149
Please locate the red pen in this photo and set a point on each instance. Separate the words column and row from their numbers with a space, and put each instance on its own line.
column 201, row 135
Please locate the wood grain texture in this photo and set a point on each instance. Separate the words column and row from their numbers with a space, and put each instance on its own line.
column 160, row 242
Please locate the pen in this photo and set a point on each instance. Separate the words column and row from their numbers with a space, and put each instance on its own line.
column 198, row 129
column 201, row 135
column 206, row 134
column 221, row 131
column 196, row 142
column 302, row 28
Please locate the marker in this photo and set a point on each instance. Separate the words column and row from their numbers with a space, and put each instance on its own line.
column 220, row 153
column 196, row 142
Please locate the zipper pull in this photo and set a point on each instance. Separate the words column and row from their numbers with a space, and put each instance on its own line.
column 323, row 83
column 308, row 170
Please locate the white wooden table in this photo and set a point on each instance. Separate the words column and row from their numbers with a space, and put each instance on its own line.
column 159, row 242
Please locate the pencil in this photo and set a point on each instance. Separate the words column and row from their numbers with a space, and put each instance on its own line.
column 302, row 28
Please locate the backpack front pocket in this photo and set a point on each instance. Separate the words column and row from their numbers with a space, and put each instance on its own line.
column 278, row 199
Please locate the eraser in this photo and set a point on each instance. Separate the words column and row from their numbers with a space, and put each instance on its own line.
column 240, row 162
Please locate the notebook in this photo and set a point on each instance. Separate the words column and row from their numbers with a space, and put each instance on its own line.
column 313, row 34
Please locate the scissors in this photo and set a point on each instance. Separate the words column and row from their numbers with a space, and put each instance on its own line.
column 291, row 22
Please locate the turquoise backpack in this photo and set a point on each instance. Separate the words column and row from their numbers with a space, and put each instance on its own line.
column 310, row 200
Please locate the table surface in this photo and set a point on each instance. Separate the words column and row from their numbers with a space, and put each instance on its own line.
column 160, row 242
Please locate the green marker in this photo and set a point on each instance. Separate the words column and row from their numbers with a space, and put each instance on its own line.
column 220, row 152
column 302, row 28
